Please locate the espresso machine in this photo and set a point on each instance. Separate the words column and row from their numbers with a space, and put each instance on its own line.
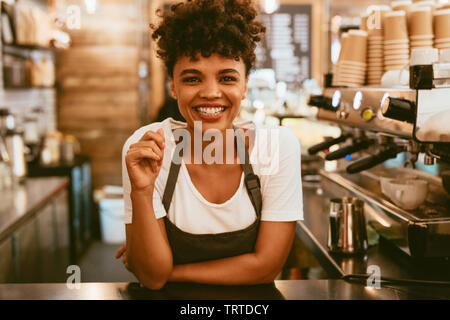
column 380, row 124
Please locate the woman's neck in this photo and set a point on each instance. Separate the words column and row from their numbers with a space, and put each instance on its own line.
column 212, row 147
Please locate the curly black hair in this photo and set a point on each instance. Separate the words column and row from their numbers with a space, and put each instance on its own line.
column 225, row 27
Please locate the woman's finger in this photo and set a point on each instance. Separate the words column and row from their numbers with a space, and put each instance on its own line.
column 142, row 153
column 148, row 144
column 120, row 252
column 158, row 137
column 146, row 155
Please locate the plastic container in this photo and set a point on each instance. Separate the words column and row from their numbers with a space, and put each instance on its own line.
column 112, row 212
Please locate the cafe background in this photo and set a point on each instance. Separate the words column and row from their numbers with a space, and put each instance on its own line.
column 78, row 77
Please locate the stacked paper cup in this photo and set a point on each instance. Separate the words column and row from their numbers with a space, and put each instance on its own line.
column 375, row 41
column 442, row 29
column 375, row 59
column 396, row 41
column 352, row 65
column 404, row 5
column 428, row 3
column 421, row 27
column 336, row 68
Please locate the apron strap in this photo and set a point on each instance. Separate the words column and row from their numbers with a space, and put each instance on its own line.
column 252, row 182
column 172, row 179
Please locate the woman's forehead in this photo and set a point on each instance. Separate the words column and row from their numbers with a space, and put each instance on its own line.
column 213, row 63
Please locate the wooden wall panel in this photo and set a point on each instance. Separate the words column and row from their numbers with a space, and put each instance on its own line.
column 98, row 99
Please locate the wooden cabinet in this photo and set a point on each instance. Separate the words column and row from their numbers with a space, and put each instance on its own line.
column 39, row 251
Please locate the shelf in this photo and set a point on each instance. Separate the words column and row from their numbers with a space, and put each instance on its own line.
column 27, row 47
column 28, row 88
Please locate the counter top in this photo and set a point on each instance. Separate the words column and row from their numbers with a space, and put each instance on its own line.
column 279, row 290
column 24, row 200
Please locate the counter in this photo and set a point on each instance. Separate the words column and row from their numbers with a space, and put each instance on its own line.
column 279, row 290
column 22, row 202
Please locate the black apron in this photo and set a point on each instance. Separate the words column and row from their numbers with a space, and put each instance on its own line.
column 190, row 248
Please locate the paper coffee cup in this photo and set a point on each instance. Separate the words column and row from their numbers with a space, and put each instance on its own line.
column 392, row 42
column 397, row 47
column 395, row 52
column 422, row 43
column 397, row 57
column 395, row 26
column 442, row 40
column 353, row 77
column 443, row 46
column 420, row 21
column 354, row 63
column 357, row 41
column 401, row 5
column 396, row 63
column 363, row 25
column 442, row 24
column 344, row 46
column 422, row 37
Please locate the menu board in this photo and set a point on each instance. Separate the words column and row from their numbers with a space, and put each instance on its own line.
column 286, row 47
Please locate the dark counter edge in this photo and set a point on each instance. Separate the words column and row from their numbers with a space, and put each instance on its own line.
column 320, row 253
column 32, row 211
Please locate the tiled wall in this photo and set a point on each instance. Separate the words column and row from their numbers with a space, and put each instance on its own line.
column 20, row 102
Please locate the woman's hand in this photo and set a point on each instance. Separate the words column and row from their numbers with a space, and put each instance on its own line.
column 122, row 252
column 144, row 160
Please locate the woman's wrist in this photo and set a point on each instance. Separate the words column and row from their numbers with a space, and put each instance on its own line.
column 142, row 191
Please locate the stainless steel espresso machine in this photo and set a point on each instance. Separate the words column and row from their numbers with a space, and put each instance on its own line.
column 409, row 126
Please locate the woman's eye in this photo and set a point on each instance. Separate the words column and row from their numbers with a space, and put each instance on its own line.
column 191, row 79
column 228, row 79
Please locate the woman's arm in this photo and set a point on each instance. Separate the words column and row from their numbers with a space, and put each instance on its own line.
column 148, row 252
column 149, row 255
column 262, row 266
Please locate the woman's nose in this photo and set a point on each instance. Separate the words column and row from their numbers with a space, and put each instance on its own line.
column 210, row 90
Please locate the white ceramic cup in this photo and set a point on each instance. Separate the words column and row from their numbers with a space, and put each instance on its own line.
column 408, row 194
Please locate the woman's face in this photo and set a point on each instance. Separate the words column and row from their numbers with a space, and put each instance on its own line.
column 209, row 90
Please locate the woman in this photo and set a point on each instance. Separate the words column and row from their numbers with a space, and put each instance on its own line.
column 221, row 221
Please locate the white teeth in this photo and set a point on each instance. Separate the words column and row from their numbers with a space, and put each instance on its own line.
column 210, row 111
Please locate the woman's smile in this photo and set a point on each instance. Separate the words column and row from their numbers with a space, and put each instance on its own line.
column 210, row 112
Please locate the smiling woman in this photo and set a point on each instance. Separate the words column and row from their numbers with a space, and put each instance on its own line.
column 218, row 222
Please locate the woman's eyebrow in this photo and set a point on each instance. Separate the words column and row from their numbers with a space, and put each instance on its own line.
column 229, row 71
column 186, row 71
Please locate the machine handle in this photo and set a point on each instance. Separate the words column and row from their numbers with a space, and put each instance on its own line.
column 322, row 102
column 371, row 161
column 326, row 144
column 342, row 152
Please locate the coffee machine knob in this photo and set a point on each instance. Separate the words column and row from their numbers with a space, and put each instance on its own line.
column 398, row 109
column 367, row 114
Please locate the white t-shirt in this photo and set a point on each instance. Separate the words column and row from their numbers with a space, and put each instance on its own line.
column 280, row 179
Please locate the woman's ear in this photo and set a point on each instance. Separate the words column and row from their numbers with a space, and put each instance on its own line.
column 172, row 88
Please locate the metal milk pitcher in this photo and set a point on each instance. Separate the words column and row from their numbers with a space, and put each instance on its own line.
column 347, row 231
